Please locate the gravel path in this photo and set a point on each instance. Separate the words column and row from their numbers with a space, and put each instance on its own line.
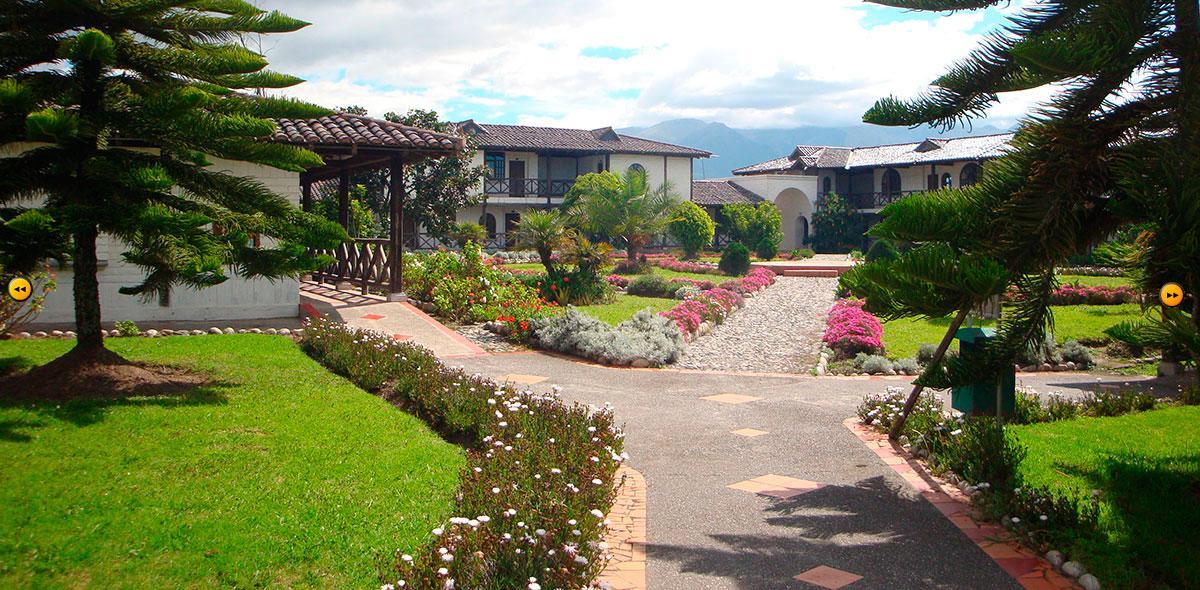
column 779, row 330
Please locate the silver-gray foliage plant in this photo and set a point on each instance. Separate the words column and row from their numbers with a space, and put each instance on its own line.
column 647, row 336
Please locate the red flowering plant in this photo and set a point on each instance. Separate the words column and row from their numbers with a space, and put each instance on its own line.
column 519, row 316
column 617, row 281
column 849, row 329
column 1076, row 294
column 688, row 315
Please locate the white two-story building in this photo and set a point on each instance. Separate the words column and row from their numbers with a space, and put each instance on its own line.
column 534, row 167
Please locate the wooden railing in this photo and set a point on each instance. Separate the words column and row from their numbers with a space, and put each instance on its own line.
column 362, row 262
column 533, row 187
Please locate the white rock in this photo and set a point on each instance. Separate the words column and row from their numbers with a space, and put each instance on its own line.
column 197, row 332
column 24, row 336
column 1089, row 582
column 215, row 330
column 820, row 370
column 255, row 331
column 272, row 331
column 298, row 332
column 57, row 333
column 1073, row 569
column 285, row 332
column 229, row 331
column 69, row 334
column 151, row 333
column 242, row 331
column 40, row 334
column 1070, row 365
column 1055, row 558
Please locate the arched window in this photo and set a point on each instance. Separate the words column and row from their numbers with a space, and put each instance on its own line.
column 488, row 221
column 947, row 181
column 971, row 173
column 827, row 185
column 890, row 185
column 637, row 168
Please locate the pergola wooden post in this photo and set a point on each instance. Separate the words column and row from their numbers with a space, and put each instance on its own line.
column 396, row 235
column 305, row 194
column 344, row 199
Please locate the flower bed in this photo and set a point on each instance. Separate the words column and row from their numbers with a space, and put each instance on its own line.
column 462, row 288
column 714, row 305
column 671, row 263
column 849, row 329
column 539, row 478
column 1087, row 295
column 617, row 281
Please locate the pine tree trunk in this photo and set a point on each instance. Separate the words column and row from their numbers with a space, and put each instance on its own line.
column 938, row 355
column 1187, row 48
column 87, row 290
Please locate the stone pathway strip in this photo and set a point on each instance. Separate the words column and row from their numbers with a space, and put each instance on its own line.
column 626, row 536
column 828, row 577
column 779, row 330
column 1029, row 570
column 401, row 321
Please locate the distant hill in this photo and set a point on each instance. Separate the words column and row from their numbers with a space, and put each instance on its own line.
column 741, row 147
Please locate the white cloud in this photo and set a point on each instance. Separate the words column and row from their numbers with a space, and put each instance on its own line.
column 752, row 63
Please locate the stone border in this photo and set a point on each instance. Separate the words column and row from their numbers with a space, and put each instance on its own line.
column 626, row 537
column 1028, row 569
column 153, row 333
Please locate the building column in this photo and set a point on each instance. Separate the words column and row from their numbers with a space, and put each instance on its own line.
column 396, row 235
column 344, row 200
column 305, row 195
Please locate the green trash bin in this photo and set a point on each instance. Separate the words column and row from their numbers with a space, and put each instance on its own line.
column 979, row 399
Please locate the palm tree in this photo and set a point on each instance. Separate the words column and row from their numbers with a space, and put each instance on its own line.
column 621, row 208
column 544, row 232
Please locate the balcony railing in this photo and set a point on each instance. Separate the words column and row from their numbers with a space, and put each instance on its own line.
column 532, row 187
column 873, row 200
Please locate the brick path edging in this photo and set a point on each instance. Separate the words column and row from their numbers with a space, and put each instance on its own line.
column 1029, row 570
column 626, row 538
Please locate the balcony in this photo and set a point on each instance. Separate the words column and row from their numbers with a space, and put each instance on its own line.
column 873, row 200
column 527, row 187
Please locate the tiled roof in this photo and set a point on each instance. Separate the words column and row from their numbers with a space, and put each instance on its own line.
column 929, row 151
column 346, row 129
column 603, row 140
column 721, row 192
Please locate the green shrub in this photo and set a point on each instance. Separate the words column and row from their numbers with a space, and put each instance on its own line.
column 802, row 253
column 1060, row 407
column 543, row 452
column 691, row 226
column 735, row 260
column 127, row 328
column 978, row 450
column 925, row 353
column 876, row 365
column 1073, row 351
column 1028, row 409
column 767, row 248
column 856, row 254
column 837, row 226
column 631, row 267
column 651, row 285
column 465, row 232
column 882, row 249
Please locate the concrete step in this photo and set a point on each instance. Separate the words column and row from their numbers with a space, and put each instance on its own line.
column 827, row 273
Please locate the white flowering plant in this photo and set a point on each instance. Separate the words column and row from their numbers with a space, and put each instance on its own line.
column 539, row 479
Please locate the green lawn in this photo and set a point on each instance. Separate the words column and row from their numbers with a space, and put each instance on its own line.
column 625, row 306
column 670, row 274
column 903, row 337
column 1147, row 467
column 280, row 474
column 1089, row 281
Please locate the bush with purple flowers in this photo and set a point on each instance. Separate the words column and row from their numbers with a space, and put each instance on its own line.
column 539, row 478
column 849, row 329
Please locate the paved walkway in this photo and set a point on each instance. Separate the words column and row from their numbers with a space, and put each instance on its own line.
column 829, row 500
column 779, row 330
column 402, row 321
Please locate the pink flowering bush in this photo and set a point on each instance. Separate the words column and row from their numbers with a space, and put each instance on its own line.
column 728, row 300
column 617, row 281
column 712, row 305
column 1075, row 294
column 539, row 478
column 671, row 263
column 849, row 329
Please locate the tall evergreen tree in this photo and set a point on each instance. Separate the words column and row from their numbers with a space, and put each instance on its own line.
column 1118, row 143
column 124, row 104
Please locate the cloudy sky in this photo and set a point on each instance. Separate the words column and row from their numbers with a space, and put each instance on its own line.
column 589, row 64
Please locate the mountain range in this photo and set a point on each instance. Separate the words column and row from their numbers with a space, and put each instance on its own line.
column 734, row 148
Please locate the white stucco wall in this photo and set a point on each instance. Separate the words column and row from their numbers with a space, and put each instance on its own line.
column 794, row 195
column 235, row 299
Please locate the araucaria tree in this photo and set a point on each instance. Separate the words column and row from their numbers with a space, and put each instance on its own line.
column 123, row 107
column 1119, row 143
column 624, row 209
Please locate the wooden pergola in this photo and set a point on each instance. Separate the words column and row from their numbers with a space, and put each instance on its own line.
column 354, row 143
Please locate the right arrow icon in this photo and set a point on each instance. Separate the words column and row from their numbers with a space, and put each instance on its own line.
column 1171, row 294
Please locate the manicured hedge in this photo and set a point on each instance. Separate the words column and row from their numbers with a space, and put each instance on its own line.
column 539, row 478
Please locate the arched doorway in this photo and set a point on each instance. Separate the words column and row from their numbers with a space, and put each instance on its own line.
column 796, row 209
